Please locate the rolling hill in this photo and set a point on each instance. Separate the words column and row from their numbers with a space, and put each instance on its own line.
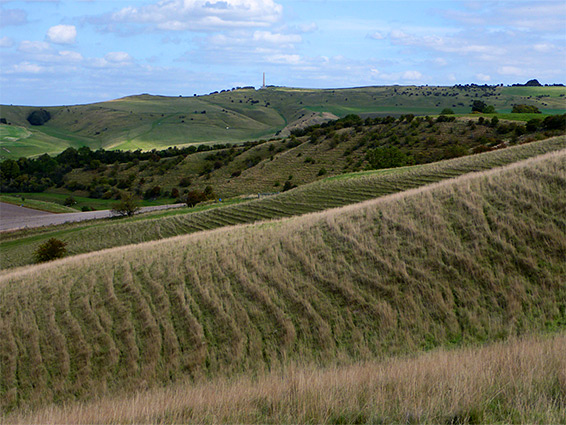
column 346, row 189
column 233, row 116
column 473, row 259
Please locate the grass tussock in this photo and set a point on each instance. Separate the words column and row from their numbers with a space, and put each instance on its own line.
column 475, row 259
column 519, row 381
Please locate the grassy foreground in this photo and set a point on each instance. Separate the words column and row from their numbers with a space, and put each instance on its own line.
column 475, row 259
column 519, row 381
column 18, row 247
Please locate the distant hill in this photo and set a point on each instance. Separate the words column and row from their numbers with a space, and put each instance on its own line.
column 232, row 116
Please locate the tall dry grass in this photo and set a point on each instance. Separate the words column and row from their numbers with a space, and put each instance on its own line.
column 519, row 381
column 479, row 258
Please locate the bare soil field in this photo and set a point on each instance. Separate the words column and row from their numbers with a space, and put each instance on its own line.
column 14, row 217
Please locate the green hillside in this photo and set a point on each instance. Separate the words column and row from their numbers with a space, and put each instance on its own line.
column 18, row 247
column 475, row 259
column 147, row 122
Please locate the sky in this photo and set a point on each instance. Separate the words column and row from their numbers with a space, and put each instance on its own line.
column 59, row 52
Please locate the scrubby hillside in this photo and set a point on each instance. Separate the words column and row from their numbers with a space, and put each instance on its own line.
column 18, row 247
column 474, row 259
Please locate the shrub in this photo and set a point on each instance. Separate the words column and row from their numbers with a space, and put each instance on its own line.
column 185, row 181
column 447, row 111
column 153, row 192
column 194, row 197
column 69, row 201
column 288, row 186
column 50, row 250
column 127, row 206
column 322, row 171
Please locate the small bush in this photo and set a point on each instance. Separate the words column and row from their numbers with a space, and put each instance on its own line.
column 69, row 201
column 127, row 206
column 50, row 250
column 194, row 197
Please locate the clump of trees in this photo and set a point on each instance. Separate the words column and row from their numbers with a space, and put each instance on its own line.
column 525, row 109
column 482, row 107
column 196, row 196
column 50, row 250
column 39, row 117
column 386, row 157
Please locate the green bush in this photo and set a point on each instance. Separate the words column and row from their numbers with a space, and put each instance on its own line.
column 525, row 109
column 127, row 206
column 50, row 250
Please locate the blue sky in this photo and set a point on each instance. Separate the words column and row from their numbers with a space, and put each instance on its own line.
column 69, row 52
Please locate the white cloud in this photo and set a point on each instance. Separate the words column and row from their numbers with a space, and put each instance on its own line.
column 62, row 34
column 305, row 28
column 376, row 36
column 118, row 57
column 412, row 76
column 483, row 77
column 545, row 47
column 270, row 37
column 284, row 59
column 71, row 56
column 6, row 42
column 511, row 70
column 198, row 15
column 27, row 68
column 34, row 47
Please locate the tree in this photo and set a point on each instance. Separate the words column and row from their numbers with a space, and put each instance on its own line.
column 194, row 197
column 50, row 250
column 478, row 106
column 126, row 206
column 447, row 111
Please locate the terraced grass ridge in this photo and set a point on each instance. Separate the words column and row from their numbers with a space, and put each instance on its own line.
column 17, row 248
column 474, row 259
column 518, row 381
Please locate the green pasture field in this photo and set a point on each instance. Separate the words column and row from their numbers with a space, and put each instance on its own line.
column 147, row 122
column 95, row 204
column 30, row 202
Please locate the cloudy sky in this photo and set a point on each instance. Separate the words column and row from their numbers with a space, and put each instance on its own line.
column 68, row 52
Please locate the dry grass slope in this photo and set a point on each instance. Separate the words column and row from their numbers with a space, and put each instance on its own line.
column 334, row 192
column 520, row 381
column 479, row 258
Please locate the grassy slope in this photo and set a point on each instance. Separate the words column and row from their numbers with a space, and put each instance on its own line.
column 473, row 259
column 147, row 122
column 18, row 247
column 519, row 381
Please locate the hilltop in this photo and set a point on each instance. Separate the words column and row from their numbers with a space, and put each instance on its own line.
column 245, row 114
